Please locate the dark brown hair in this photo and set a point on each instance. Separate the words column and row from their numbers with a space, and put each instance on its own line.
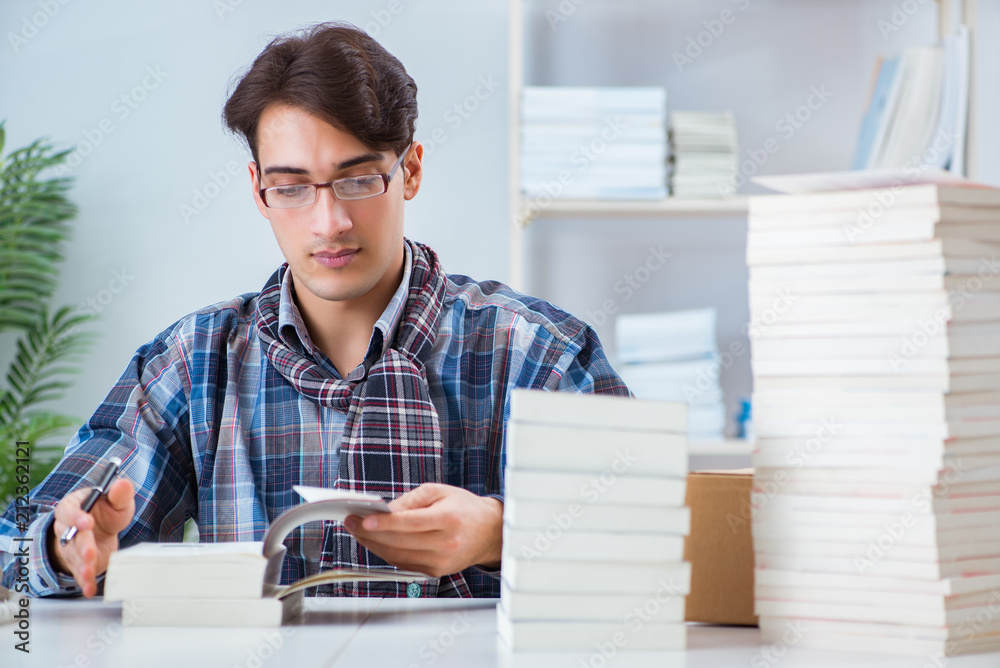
column 336, row 72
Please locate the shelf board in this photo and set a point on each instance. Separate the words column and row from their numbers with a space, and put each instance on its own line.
column 670, row 207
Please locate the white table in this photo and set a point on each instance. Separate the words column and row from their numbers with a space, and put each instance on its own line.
column 378, row 633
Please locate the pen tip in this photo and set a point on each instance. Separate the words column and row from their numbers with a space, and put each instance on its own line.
column 115, row 461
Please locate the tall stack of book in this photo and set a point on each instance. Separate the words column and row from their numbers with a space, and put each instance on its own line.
column 594, row 524
column 704, row 153
column 673, row 356
column 876, row 366
column 594, row 143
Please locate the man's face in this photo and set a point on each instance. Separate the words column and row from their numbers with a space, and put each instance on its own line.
column 337, row 250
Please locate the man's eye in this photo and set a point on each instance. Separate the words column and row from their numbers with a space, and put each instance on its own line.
column 361, row 185
column 289, row 191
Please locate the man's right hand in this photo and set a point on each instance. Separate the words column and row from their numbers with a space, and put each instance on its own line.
column 86, row 556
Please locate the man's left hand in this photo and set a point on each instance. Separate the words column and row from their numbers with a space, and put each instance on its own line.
column 435, row 529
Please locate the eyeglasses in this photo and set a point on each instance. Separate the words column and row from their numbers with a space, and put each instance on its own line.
column 352, row 187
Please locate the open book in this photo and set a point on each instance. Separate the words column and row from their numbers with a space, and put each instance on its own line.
column 234, row 584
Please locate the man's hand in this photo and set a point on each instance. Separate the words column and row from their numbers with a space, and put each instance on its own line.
column 435, row 529
column 86, row 556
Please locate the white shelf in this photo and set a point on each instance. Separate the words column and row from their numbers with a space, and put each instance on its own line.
column 670, row 207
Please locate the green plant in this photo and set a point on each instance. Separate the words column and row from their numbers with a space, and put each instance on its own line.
column 34, row 211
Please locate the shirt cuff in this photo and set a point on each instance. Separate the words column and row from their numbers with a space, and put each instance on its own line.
column 491, row 573
column 43, row 580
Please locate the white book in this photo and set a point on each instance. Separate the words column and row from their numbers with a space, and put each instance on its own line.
column 947, row 382
column 795, row 472
column 880, row 269
column 943, row 587
column 873, row 366
column 920, row 523
column 875, row 599
column 944, row 346
column 916, row 504
column 592, row 450
column 233, row 613
column 864, row 613
column 983, row 251
column 586, row 517
column 577, row 636
column 875, row 234
column 595, row 577
column 900, row 196
column 898, row 639
column 876, row 411
column 885, row 567
column 906, row 327
column 864, row 285
column 665, row 606
column 554, row 543
column 881, row 216
column 937, row 402
column 593, row 410
column 911, row 553
column 873, row 461
column 630, row 488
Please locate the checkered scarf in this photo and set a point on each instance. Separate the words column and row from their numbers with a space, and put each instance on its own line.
column 392, row 438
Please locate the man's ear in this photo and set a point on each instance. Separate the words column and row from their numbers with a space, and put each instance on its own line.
column 413, row 164
column 255, row 187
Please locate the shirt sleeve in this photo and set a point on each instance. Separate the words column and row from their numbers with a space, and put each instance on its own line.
column 587, row 369
column 144, row 422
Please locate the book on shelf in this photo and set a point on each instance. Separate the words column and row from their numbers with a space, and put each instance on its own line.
column 174, row 579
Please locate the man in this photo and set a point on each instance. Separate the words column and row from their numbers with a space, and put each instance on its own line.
column 359, row 365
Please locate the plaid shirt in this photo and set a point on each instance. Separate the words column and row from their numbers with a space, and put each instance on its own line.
column 207, row 429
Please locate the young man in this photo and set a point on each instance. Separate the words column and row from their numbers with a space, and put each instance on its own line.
column 360, row 364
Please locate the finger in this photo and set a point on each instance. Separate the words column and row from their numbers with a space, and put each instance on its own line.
column 68, row 509
column 429, row 541
column 421, row 497
column 404, row 521
column 83, row 551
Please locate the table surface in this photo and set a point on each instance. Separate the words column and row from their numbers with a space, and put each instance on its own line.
column 405, row 633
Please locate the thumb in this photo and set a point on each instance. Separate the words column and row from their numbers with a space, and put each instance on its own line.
column 115, row 510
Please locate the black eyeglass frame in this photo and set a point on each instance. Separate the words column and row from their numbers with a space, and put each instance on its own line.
column 332, row 185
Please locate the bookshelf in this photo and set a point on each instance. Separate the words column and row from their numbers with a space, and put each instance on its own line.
column 524, row 212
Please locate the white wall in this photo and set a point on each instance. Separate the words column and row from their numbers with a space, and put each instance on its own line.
column 63, row 80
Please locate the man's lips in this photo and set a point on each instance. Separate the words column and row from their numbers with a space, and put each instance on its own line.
column 336, row 259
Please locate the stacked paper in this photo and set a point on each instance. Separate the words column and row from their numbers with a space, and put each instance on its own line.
column 703, row 152
column 875, row 330
column 594, row 524
column 594, row 143
column 673, row 356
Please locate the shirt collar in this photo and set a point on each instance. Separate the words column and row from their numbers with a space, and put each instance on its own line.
column 292, row 328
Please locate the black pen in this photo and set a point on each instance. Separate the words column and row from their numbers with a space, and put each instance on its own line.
column 110, row 473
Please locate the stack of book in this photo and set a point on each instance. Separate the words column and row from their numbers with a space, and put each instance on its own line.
column 594, row 143
column 594, row 524
column 875, row 332
column 673, row 356
column 704, row 153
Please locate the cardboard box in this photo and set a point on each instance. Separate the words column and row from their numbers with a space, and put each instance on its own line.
column 720, row 548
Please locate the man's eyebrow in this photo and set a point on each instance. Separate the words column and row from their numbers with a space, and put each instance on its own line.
column 346, row 164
